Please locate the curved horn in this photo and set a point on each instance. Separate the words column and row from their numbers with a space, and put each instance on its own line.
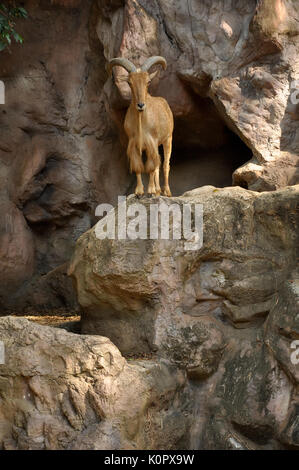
column 157, row 59
column 125, row 63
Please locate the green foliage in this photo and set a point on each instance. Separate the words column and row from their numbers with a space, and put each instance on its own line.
column 8, row 15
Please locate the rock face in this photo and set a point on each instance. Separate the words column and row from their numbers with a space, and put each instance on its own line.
column 58, row 154
column 233, row 61
column 59, row 390
column 153, row 287
column 222, row 321
column 226, row 313
column 218, row 324
column 231, row 84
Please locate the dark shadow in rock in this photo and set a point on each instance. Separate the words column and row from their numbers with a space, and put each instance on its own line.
column 193, row 166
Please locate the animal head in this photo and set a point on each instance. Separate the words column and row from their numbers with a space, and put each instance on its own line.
column 138, row 78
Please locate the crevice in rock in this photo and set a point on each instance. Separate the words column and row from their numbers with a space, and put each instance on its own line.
column 260, row 434
column 205, row 151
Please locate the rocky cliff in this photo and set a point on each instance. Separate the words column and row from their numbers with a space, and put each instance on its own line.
column 207, row 338
column 192, row 349
column 225, row 313
column 231, row 71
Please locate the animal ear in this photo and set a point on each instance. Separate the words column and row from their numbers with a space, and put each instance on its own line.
column 152, row 75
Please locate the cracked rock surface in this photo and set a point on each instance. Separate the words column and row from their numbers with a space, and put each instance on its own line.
column 60, row 390
column 216, row 324
column 232, row 69
column 226, row 314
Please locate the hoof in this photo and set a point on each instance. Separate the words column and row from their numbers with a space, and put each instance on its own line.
column 139, row 196
column 167, row 192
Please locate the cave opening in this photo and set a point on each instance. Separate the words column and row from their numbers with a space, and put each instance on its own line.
column 205, row 151
column 193, row 167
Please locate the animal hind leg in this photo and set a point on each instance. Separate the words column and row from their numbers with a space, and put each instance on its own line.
column 139, row 191
column 167, row 145
column 152, row 163
column 157, row 181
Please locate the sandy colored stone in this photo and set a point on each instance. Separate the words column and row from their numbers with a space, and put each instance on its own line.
column 230, row 78
column 60, row 390
column 144, row 293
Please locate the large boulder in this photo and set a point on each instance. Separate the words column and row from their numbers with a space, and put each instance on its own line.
column 225, row 313
column 209, row 334
column 60, row 390
column 146, row 294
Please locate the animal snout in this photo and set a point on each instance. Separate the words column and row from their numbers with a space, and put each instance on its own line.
column 141, row 106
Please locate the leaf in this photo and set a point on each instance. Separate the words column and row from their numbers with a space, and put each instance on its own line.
column 7, row 24
column 7, row 37
column 17, row 37
column 23, row 12
column 3, row 8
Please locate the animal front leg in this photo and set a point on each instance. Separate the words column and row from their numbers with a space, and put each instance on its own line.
column 151, row 190
column 152, row 164
column 167, row 152
column 139, row 191
column 136, row 165
column 157, row 181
